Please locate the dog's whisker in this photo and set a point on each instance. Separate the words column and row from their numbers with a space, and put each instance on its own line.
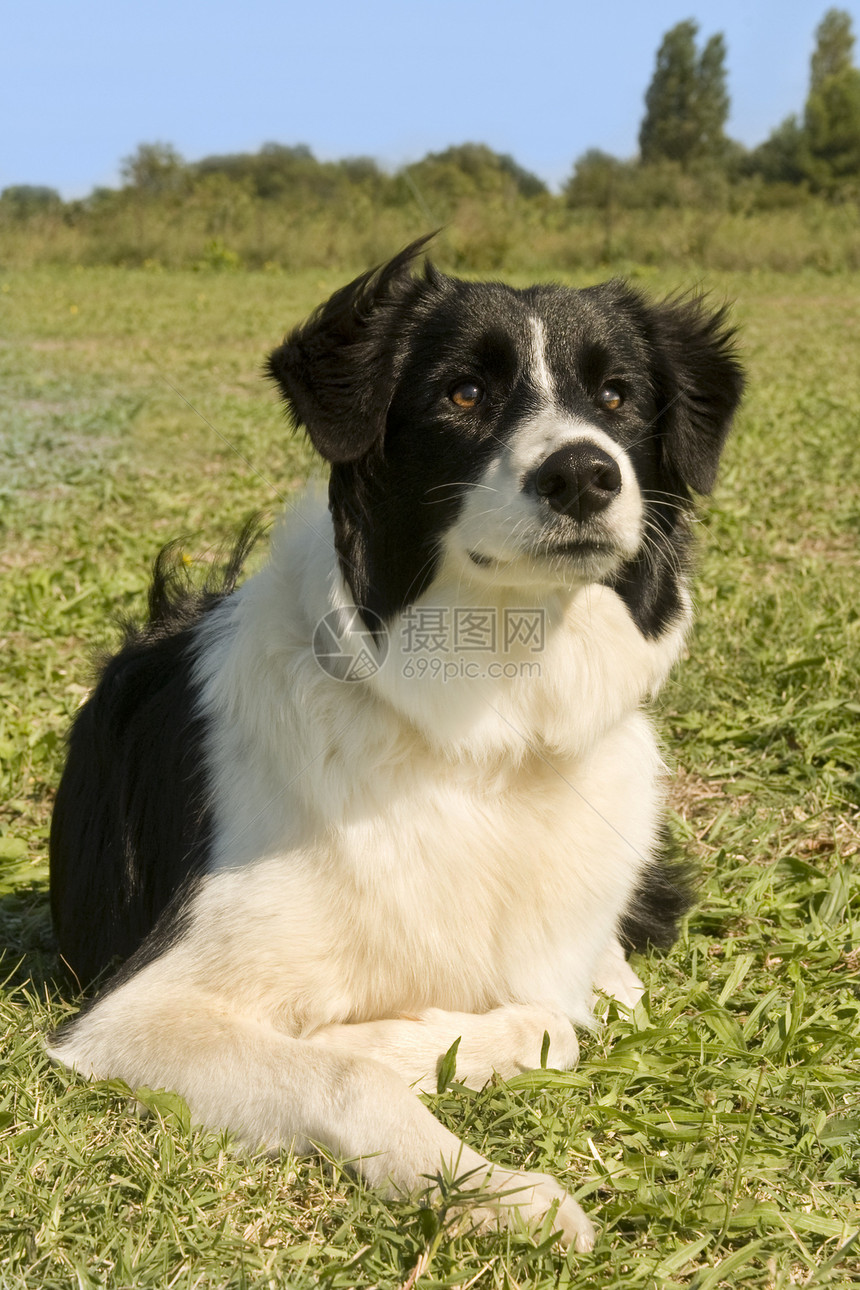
column 461, row 483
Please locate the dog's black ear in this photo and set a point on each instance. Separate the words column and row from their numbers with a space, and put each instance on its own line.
column 336, row 372
column 698, row 383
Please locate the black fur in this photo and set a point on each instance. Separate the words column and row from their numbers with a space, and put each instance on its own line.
column 338, row 369
column 377, row 361
column 664, row 895
column 169, row 928
column 131, row 824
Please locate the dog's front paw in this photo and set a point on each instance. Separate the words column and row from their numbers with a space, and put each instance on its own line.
column 527, row 1033
column 507, row 1042
column 530, row 1198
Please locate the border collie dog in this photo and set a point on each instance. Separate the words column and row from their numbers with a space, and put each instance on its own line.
column 397, row 789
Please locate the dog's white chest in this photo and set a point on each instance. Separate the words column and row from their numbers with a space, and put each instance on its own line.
column 462, row 893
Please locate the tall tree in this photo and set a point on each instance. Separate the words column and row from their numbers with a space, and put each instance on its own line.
column 712, row 97
column 834, row 44
column 687, row 102
column 832, row 115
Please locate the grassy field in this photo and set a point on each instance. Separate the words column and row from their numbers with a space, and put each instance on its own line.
column 715, row 1134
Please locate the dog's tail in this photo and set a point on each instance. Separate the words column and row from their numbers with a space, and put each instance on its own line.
column 177, row 598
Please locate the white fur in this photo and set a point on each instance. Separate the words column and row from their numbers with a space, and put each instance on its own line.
column 540, row 373
column 508, row 527
column 398, row 864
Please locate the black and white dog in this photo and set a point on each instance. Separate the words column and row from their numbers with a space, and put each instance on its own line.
column 397, row 788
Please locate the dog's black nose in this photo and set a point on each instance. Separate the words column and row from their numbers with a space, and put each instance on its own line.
column 579, row 480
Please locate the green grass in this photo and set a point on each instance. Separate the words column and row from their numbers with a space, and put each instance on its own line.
column 715, row 1135
column 715, row 224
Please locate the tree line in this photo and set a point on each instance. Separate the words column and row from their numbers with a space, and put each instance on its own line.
column 683, row 140
column 691, row 195
column 683, row 150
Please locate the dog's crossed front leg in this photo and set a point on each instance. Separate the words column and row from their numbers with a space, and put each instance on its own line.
column 272, row 1089
column 505, row 1041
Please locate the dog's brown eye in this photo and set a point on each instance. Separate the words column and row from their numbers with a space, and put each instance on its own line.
column 609, row 399
column 467, row 395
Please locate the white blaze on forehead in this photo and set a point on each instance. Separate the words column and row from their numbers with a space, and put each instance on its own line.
column 538, row 370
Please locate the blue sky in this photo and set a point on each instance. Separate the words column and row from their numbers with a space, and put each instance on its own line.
column 84, row 81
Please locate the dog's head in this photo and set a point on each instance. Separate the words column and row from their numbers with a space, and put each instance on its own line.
column 538, row 439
